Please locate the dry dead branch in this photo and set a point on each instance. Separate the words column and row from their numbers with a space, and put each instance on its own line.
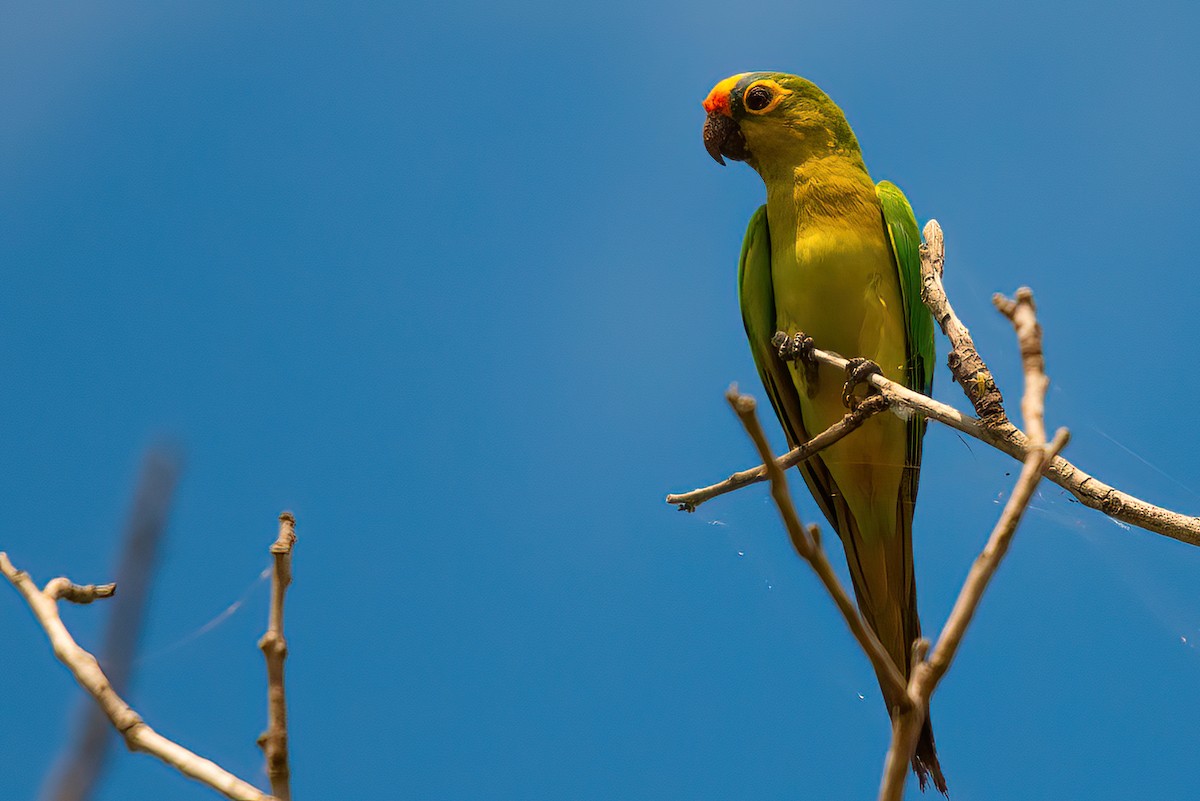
column 926, row 674
column 993, row 427
column 807, row 543
column 996, row 431
column 872, row 405
column 137, row 733
column 90, row 742
column 274, row 741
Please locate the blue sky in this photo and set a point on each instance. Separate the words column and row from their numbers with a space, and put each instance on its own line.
column 456, row 287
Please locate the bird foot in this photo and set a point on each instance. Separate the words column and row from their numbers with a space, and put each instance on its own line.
column 795, row 348
column 798, row 348
column 857, row 372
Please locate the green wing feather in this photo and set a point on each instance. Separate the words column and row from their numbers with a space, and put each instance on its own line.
column 905, row 237
column 906, row 242
column 756, row 296
column 902, row 229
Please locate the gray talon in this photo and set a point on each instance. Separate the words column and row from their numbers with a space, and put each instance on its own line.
column 857, row 372
column 798, row 348
column 795, row 348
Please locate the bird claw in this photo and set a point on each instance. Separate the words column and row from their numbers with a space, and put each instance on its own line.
column 795, row 348
column 798, row 348
column 857, row 372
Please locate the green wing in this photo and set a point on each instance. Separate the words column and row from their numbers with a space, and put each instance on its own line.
column 756, row 295
column 906, row 242
column 902, row 229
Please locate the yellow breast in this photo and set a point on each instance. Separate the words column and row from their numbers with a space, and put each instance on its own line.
column 835, row 279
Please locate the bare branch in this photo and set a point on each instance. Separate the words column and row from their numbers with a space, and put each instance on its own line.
column 872, row 405
column 966, row 365
column 1090, row 491
column 138, row 736
column 986, row 563
column 1022, row 313
column 807, row 543
column 970, row 371
column 925, row 675
column 991, row 427
column 61, row 589
column 78, row 770
column 274, row 741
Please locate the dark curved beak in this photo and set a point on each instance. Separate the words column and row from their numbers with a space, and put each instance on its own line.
column 723, row 137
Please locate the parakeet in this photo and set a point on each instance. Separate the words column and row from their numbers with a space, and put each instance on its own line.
column 834, row 256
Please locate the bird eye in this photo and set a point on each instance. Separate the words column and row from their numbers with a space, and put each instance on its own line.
column 758, row 98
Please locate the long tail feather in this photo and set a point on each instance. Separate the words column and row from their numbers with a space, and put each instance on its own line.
column 885, row 588
column 925, row 761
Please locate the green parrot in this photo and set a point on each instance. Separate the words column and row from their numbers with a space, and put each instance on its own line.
column 834, row 256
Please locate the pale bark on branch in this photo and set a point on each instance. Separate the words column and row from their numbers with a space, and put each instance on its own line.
column 964, row 361
column 926, row 673
column 807, row 543
column 138, row 735
column 274, row 741
column 995, row 429
column 872, row 405
column 992, row 427
column 77, row 773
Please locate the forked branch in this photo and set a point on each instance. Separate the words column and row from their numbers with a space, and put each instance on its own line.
column 807, row 543
column 994, row 428
column 926, row 674
column 138, row 735
column 872, row 405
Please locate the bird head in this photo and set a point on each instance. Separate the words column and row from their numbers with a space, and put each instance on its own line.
column 772, row 118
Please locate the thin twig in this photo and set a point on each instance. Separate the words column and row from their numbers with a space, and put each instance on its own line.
column 991, row 427
column 987, row 562
column 872, row 405
column 1090, row 491
column 970, row 371
column 80, row 766
column 61, row 589
column 807, row 543
column 926, row 674
column 274, row 741
column 906, row 728
column 138, row 736
column 994, row 428
column 1022, row 313
column 893, row 394
column 966, row 365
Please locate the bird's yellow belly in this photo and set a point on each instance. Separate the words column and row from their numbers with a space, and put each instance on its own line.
column 847, row 298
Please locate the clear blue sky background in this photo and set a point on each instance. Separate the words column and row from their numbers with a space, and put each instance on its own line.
column 457, row 287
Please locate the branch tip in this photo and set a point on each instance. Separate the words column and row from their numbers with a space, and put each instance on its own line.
column 933, row 249
column 889, row 674
column 274, row 741
column 61, row 589
column 688, row 501
column 742, row 404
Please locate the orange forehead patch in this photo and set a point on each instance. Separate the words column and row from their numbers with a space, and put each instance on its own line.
column 718, row 98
